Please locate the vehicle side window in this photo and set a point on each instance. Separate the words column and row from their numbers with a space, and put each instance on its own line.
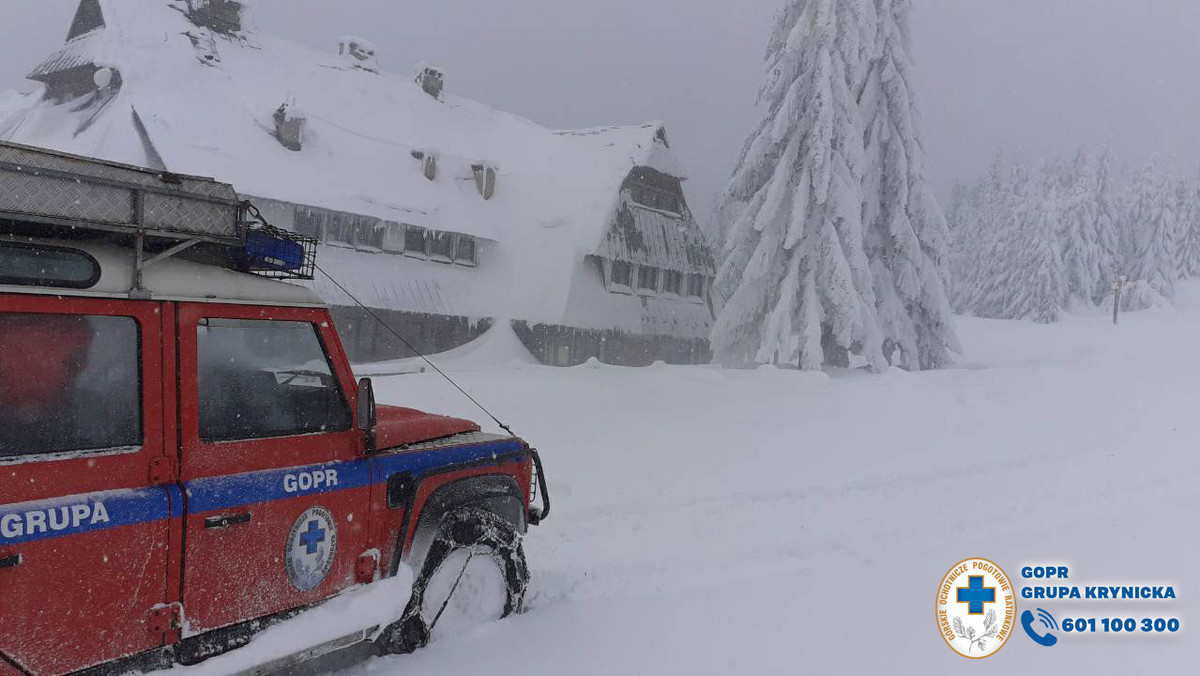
column 68, row 383
column 261, row 379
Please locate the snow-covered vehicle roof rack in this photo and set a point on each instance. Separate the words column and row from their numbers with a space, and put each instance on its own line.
column 162, row 213
column 55, row 188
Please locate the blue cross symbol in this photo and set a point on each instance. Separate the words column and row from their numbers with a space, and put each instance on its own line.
column 315, row 535
column 975, row 595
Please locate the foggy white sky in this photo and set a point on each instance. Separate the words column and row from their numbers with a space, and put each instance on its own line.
column 1038, row 77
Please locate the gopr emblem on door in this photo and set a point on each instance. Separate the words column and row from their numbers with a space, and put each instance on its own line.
column 311, row 548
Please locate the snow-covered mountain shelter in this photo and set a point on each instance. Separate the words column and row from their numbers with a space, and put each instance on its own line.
column 442, row 215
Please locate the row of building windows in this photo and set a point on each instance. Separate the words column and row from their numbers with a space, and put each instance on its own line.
column 622, row 276
column 372, row 234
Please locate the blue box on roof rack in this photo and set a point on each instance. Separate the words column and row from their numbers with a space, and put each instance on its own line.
column 280, row 254
column 267, row 250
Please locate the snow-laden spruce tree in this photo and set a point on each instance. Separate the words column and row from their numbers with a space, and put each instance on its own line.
column 1091, row 216
column 1010, row 260
column 1010, row 224
column 975, row 232
column 1187, row 253
column 962, row 220
column 1151, row 223
column 1042, row 291
column 795, row 277
column 906, row 232
column 1002, row 273
column 1107, row 223
column 1083, row 256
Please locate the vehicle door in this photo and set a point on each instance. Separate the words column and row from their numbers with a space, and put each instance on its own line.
column 83, row 526
column 277, row 491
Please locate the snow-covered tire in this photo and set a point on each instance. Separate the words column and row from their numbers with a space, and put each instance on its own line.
column 466, row 536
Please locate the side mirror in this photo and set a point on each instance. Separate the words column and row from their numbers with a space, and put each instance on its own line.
column 366, row 412
column 366, row 405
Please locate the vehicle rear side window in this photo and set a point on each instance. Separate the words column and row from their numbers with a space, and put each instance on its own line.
column 54, row 266
column 68, row 383
column 261, row 379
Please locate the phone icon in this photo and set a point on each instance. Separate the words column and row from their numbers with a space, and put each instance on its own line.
column 1027, row 620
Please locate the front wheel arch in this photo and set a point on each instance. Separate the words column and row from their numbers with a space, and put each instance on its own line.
column 496, row 493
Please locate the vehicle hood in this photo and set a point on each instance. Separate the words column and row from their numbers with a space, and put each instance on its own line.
column 397, row 426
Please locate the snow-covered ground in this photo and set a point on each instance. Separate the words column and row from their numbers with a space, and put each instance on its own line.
column 710, row 522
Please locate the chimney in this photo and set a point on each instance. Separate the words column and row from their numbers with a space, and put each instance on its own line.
column 289, row 127
column 359, row 53
column 431, row 79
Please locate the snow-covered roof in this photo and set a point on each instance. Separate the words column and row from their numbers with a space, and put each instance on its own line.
column 361, row 131
column 12, row 102
column 556, row 191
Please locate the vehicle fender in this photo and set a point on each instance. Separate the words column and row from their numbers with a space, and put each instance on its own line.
column 496, row 493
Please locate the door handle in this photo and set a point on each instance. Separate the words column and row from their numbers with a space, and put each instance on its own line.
column 227, row 520
column 10, row 561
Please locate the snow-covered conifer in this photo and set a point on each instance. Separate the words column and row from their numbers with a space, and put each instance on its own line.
column 1107, row 223
column 1004, row 262
column 795, row 274
column 1042, row 292
column 975, row 234
column 906, row 232
column 1010, row 261
column 1004, row 269
column 1187, row 255
column 1151, row 223
column 1082, row 254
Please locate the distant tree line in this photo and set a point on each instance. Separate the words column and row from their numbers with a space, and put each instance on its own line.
column 1034, row 242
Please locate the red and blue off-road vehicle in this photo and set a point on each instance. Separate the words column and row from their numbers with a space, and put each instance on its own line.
column 186, row 458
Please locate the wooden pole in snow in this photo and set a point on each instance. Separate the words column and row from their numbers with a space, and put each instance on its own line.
column 1117, row 284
